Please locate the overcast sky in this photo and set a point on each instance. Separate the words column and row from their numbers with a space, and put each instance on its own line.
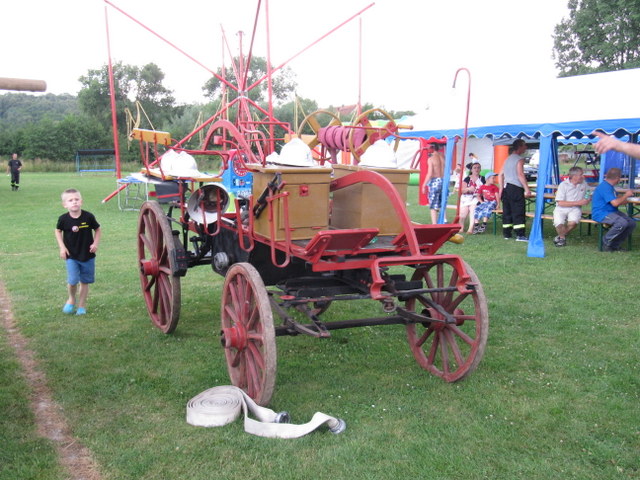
column 411, row 49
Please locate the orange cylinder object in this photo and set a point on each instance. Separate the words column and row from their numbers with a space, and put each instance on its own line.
column 21, row 84
column 500, row 154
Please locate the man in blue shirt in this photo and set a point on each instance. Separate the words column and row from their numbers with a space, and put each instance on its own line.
column 604, row 209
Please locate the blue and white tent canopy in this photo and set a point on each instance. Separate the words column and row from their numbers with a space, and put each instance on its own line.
column 570, row 107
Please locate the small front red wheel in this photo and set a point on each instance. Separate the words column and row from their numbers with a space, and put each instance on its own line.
column 248, row 335
column 449, row 350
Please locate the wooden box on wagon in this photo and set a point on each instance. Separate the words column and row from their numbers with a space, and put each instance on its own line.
column 307, row 201
column 364, row 205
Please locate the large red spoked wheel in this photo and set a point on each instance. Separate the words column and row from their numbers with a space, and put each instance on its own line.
column 248, row 335
column 449, row 350
column 156, row 258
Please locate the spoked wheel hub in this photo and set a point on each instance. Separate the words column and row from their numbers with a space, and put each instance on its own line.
column 234, row 337
column 150, row 267
column 452, row 344
column 441, row 325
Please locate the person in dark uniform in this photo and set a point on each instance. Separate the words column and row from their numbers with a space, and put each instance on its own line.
column 513, row 191
column 14, row 168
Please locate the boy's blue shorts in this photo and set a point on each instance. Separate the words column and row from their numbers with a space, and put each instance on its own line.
column 83, row 272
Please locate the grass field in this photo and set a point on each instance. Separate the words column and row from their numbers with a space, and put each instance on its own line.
column 556, row 395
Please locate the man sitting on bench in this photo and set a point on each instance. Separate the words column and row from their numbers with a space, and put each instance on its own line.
column 570, row 198
column 605, row 210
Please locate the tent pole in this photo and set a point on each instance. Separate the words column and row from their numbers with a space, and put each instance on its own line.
column 464, row 138
column 633, row 164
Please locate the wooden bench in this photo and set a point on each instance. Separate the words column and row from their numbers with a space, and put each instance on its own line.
column 544, row 216
column 495, row 214
column 586, row 219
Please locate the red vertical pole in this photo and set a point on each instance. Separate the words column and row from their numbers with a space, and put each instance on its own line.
column 269, row 82
column 464, row 139
column 360, row 67
column 112, row 94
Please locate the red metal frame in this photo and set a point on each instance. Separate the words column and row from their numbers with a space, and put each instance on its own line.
column 349, row 249
column 253, row 134
column 246, row 126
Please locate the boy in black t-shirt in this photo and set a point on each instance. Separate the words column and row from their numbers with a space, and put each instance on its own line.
column 78, row 248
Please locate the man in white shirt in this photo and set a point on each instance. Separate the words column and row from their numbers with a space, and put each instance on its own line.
column 570, row 198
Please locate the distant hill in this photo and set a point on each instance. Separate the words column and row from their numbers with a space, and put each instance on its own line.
column 21, row 109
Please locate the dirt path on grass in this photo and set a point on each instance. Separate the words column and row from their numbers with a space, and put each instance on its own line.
column 51, row 424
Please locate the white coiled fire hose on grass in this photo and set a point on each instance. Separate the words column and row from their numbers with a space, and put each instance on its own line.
column 219, row 406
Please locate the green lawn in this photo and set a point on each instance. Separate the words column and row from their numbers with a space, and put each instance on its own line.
column 556, row 395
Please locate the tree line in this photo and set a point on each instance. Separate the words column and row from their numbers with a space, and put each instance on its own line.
column 48, row 126
column 54, row 127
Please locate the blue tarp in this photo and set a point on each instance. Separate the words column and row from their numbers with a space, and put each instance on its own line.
column 578, row 129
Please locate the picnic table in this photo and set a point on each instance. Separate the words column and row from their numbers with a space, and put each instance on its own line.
column 633, row 207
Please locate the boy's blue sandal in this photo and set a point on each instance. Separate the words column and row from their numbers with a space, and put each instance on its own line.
column 68, row 308
column 81, row 311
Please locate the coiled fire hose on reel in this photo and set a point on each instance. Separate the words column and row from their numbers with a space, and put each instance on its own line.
column 222, row 405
